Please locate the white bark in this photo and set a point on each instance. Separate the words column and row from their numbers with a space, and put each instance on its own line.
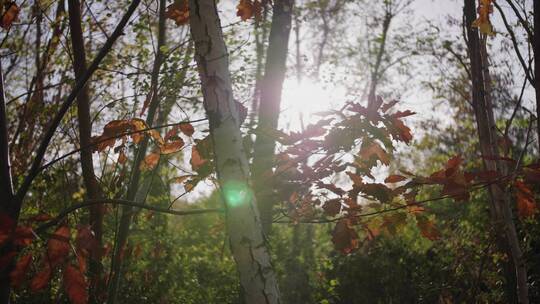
column 248, row 246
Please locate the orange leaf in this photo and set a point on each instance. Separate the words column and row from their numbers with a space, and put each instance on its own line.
column 172, row 147
column 196, row 160
column 10, row 15
column 17, row 274
column 138, row 124
column 485, row 8
column 248, row 8
column 181, row 179
column 41, row 280
column 122, row 157
column 75, row 285
column 150, row 161
column 58, row 246
column 394, row 179
column 179, row 12
column 526, row 203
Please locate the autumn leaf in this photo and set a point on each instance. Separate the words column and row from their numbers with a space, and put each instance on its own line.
column 375, row 150
column 181, row 179
column 21, row 268
column 394, row 179
column 58, row 246
column 172, row 147
column 196, row 160
column 485, row 8
column 344, row 237
column 179, row 12
column 385, row 107
column 246, row 9
column 111, row 132
column 332, row 207
column 138, row 125
column 9, row 15
column 427, row 228
column 23, row 236
column 187, row 129
column 86, row 239
column 75, row 285
column 150, row 161
column 122, row 157
column 41, row 279
column 156, row 136
column 401, row 131
column 526, row 203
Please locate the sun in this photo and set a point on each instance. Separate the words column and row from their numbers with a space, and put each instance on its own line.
column 301, row 100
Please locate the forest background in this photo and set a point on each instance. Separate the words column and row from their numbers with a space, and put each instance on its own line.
column 255, row 151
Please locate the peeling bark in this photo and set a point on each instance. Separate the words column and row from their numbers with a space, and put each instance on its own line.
column 257, row 277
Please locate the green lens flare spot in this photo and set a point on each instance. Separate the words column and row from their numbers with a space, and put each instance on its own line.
column 235, row 193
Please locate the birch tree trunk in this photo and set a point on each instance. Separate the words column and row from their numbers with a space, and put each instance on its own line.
column 257, row 277
column 274, row 75
column 501, row 210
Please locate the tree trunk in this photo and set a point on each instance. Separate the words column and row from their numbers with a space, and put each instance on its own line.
column 261, row 34
column 257, row 277
column 6, row 189
column 536, row 51
column 375, row 73
column 499, row 201
column 85, row 132
column 134, row 183
column 275, row 68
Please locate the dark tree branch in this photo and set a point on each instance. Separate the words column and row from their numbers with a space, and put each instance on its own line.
column 89, row 203
column 40, row 153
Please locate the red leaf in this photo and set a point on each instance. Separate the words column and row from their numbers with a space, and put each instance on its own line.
column 58, row 246
column 75, row 285
column 344, row 237
column 187, row 129
column 41, row 280
column 23, row 236
column 526, row 203
column 10, row 15
column 86, row 239
column 17, row 274
column 332, row 207
column 394, row 179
